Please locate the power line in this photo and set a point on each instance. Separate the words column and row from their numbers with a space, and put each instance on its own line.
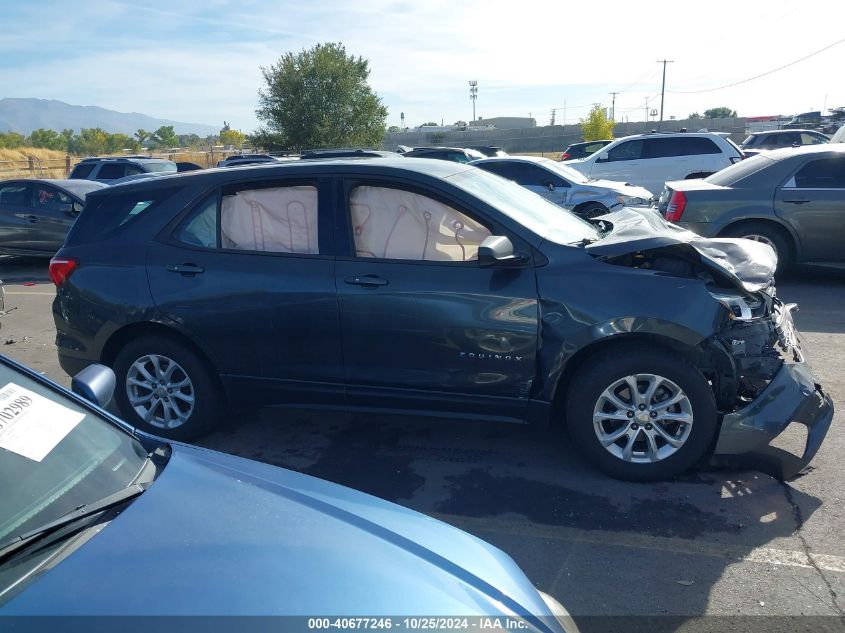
column 769, row 72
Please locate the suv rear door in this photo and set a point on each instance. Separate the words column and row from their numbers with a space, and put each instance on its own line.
column 423, row 324
column 248, row 271
column 813, row 201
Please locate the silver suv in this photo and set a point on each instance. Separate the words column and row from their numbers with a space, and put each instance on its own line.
column 109, row 168
column 649, row 160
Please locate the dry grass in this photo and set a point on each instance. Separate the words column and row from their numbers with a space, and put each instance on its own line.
column 33, row 162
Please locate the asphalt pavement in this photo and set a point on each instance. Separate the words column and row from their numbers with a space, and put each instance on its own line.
column 696, row 552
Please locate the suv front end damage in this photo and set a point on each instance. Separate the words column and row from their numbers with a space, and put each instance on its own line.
column 754, row 362
column 771, row 388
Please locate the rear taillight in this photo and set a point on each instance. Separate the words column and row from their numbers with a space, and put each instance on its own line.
column 565, row 156
column 61, row 268
column 676, row 206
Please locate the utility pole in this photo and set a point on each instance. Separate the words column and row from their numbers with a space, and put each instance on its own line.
column 473, row 95
column 553, row 116
column 613, row 106
column 663, row 86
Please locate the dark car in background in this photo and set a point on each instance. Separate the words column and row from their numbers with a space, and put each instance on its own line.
column 582, row 150
column 108, row 168
column 105, row 521
column 453, row 154
column 791, row 199
column 433, row 288
column 775, row 139
column 35, row 215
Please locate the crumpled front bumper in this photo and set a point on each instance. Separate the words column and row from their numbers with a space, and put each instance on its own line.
column 793, row 396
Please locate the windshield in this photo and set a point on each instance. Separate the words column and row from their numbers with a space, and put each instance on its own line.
column 55, row 455
column 738, row 171
column 535, row 213
column 572, row 175
column 163, row 166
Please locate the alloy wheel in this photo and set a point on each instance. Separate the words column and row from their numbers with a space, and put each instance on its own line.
column 643, row 418
column 160, row 391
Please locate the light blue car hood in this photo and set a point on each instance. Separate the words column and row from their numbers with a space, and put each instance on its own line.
column 221, row 535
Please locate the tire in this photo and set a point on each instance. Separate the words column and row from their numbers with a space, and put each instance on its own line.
column 767, row 233
column 605, row 373
column 181, row 419
column 590, row 210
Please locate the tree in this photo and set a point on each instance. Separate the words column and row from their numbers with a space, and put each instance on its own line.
column 235, row 138
column 142, row 135
column 393, row 128
column 47, row 138
column 429, row 123
column 694, row 115
column 320, row 98
column 719, row 113
column 597, row 126
column 10, row 140
column 165, row 137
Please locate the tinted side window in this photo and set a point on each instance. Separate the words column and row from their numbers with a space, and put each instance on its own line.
column 811, row 139
column 699, row 145
column 630, row 150
column 664, row 147
column 51, row 199
column 131, row 170
column 271, row 220
column 110, row 171
column 82, row 170
column 200, row 227
column 15, row 194
column 398, row 224
column 526, row 174
column 104, row 214
column 828, row 173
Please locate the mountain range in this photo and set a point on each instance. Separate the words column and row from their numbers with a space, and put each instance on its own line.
column 26, row 115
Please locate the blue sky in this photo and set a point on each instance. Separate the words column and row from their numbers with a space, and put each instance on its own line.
column 199, row 60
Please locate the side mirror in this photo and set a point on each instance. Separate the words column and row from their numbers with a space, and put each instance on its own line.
column 602, row 158
column 497, row 250
column 96, row 384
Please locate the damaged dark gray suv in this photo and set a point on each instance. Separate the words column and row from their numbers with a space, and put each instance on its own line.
column 429, row 287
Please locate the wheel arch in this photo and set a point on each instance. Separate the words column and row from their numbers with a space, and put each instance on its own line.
column 583, row 205
column 127, row 333
column 616, row 342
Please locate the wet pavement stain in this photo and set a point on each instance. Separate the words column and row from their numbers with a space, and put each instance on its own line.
column 478, row 493
column 359, row 456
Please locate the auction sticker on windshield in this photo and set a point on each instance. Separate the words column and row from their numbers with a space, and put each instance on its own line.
column 32, row 425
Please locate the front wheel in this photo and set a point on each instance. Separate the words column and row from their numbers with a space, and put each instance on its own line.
column 165, row 389
column 641, row 415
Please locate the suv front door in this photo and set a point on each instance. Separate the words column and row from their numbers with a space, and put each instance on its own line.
column 55, row 211
column 424, row 326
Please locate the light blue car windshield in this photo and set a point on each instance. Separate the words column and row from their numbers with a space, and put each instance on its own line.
column 533, row 212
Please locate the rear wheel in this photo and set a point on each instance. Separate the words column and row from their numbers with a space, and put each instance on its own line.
column 766, row 234
column 164, row 388
column 641, row 415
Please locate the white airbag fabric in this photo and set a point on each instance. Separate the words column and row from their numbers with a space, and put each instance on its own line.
column 396, row 224
column 278, row 220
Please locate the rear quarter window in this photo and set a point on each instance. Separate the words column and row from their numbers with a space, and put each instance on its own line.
column 699, row 145
column 82, row 170
column 106, row 215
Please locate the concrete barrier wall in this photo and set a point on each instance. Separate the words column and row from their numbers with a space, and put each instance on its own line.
column 553, row 138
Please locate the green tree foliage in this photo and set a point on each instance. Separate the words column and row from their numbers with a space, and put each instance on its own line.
column 320, row 98
column 393, row 128
column 49, row 139
column 11, row 140
column 694, row 115
column 597, row 126
column 165, row 138
column 142, row 135
column 235, row 138
column 719, row 113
